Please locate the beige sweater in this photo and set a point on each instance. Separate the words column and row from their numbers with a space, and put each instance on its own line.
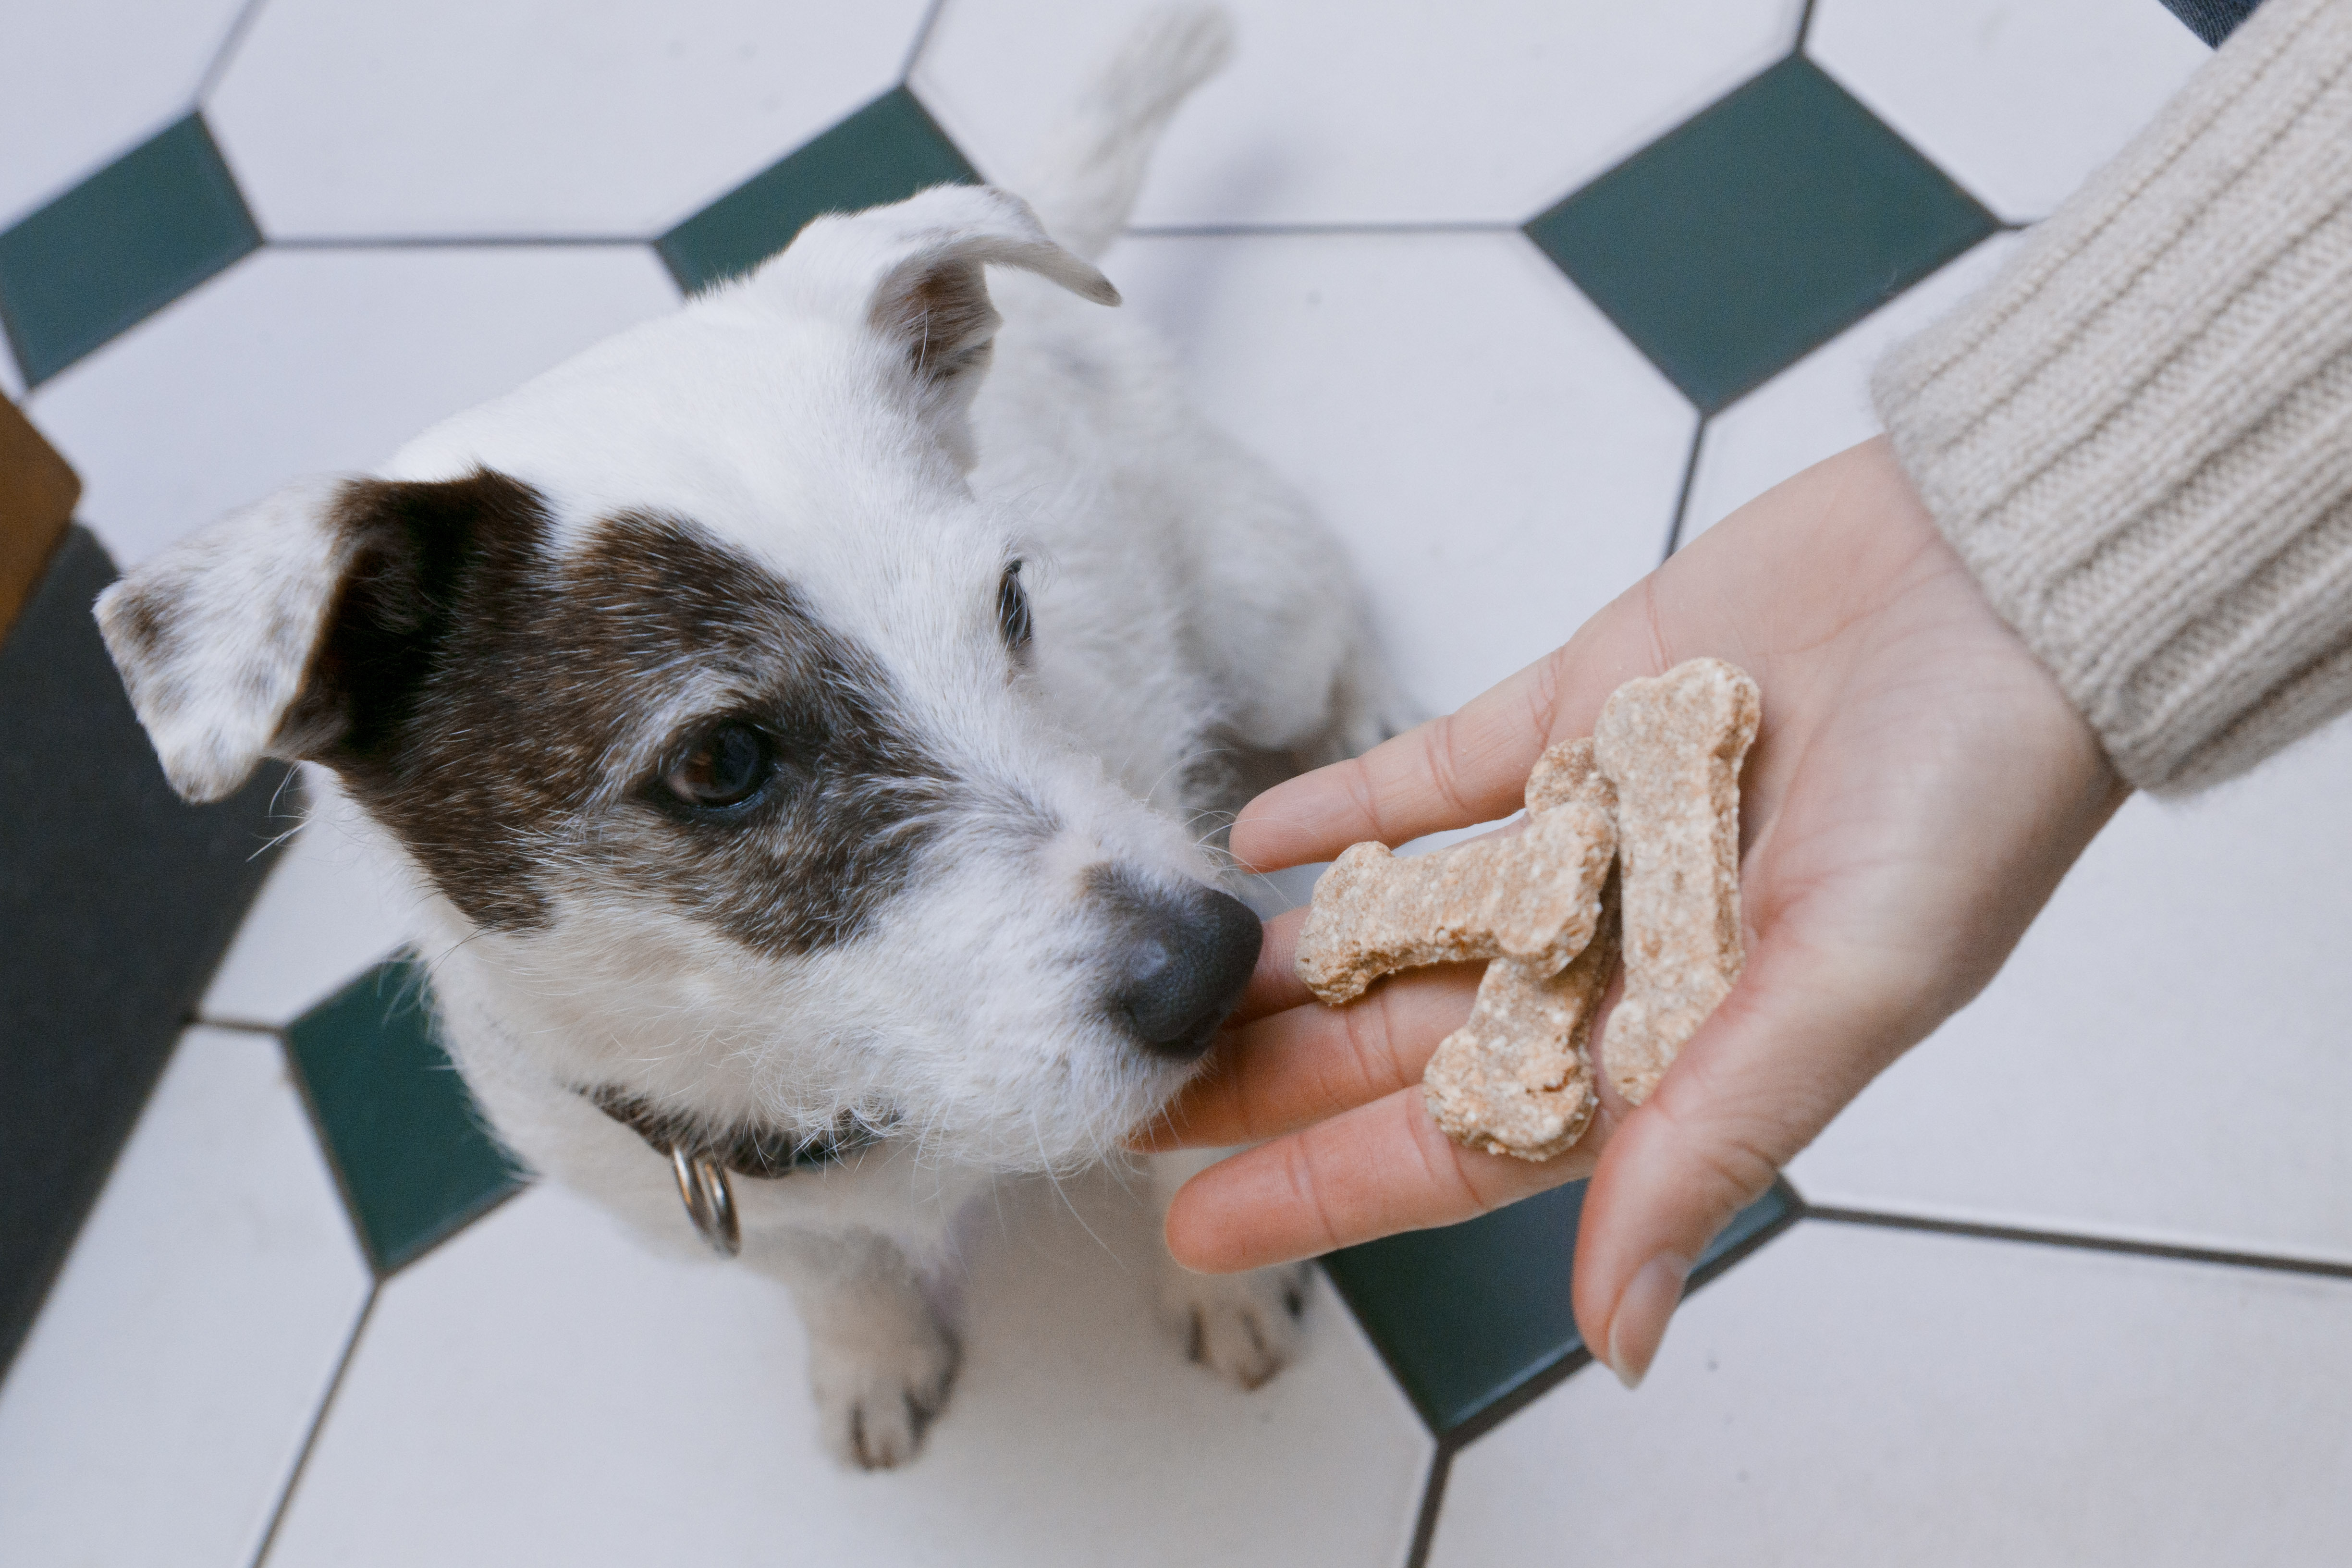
column 2139, row 436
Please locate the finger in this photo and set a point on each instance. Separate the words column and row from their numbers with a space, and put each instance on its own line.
column 1273, row 982
column 1372, row 1172
column 1469, row 767
column 1793, row 1043
column 1296, row 1066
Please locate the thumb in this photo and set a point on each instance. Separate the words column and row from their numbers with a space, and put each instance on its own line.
column 1754, row 1086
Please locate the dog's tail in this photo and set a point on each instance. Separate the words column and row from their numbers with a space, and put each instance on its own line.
column 1084, row 179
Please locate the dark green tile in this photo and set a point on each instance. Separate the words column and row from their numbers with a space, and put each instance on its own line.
column 407, row 1140
column 885, row 153
column 1474, row 1319
column 120, row 246
column 117, row 900
column 1758, row 231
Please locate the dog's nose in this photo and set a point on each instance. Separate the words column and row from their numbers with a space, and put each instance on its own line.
column 1181, row 960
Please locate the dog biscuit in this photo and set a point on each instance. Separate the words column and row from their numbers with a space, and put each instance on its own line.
column 1533, row 896
column 1672, row 746
column 1518, row 1078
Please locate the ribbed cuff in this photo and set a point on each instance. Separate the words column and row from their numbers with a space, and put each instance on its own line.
column 2139, row 436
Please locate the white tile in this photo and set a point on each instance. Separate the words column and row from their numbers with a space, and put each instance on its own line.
column 83, row 84
column 2017, row 100
column 326, row 914
column 1498, row 459
column 545, row 1392
column 1335, row 112
column 1820, row 405
column 2165, row 1055
column 1851, row 1396
column 297, row 362
column 505, row 118
column 156, row 1410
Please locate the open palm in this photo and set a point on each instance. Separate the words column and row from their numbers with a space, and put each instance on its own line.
column 1917, row 789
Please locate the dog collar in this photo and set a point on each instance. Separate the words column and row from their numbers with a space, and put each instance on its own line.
column 701, row 1163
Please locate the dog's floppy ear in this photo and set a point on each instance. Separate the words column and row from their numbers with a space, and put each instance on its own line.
column 914, row 272
column 213, row 636
column 300, row 625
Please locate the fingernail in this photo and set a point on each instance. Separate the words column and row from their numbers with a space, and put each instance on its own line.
column 1639, row 1324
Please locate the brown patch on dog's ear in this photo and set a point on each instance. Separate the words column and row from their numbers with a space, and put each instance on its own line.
column 414, row 550
column 918, row 271
column 940, row 312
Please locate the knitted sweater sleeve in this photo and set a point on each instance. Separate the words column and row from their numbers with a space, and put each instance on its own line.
column 2139, row 436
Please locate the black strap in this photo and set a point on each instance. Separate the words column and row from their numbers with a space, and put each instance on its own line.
column 764, row 1153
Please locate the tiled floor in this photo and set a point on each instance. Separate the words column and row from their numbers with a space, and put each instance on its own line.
column 1519, row 294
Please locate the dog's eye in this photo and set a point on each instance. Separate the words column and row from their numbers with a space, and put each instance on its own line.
column 726, row 767
column 1013, row 617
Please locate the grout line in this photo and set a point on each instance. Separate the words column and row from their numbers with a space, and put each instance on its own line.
column 923, row 40
column 456, row 241
column 2165, row 1251
column 1492, row 1416
column 317, row 1424
column 240, row 1026
column 1682, row 497
column 1296, row 230
column 223, row 55
column 326, row 1154
column 1804, row 26
column 1424, row 1524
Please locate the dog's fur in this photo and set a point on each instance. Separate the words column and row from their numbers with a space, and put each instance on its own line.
column 797, row 502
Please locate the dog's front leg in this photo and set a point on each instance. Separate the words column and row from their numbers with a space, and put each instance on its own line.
column 880, row 1361
column 1243, row 1326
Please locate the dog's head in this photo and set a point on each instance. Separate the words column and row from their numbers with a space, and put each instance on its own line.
column 698, row 683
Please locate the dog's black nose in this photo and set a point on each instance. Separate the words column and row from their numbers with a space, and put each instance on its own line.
column 1180, row 961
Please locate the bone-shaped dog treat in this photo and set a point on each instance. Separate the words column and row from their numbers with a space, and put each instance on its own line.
column 1673, row 746
column 1517, row 1079
column 1534, row 895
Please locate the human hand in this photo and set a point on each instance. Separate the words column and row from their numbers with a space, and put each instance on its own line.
column 1918, row 787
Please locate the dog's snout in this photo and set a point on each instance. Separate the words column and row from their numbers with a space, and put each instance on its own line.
column 1180, row 961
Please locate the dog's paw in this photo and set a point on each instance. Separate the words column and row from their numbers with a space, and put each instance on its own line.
column 1244, row 1327
column 875, row 1398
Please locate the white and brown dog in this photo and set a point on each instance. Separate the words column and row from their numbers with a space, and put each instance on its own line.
column 797, row 716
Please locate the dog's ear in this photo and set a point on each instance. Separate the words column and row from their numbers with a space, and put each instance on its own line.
column 213, row 635
column 914, row 272
column 298, row 626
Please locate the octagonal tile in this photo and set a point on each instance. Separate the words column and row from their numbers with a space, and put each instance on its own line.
column 480, row 118
column 83, row 84
column 157, row 1408
column 1340, row 113
column 543, row 1390
column 2018, row 99
column 2164, row 1058
column 306, row 361
column 1852, row 1395
column 1498, row 460
column 1820, row 405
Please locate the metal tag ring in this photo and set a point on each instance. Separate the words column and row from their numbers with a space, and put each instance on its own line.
column 709, row 1199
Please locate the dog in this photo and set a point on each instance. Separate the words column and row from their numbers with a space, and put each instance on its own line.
column 802, row 720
